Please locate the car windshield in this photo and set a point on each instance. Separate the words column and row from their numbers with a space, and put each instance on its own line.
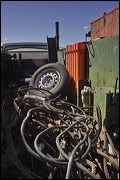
column 26, row 50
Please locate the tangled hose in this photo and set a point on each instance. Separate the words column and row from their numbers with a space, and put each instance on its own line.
column 72, row 120
column 58, row 135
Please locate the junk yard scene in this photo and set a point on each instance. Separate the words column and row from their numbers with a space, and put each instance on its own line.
column 60, row 105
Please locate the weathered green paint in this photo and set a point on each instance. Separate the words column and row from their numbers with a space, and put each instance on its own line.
column 103, row 69
column 109, row 105
column 100, row 97
column 61, row 56
column 103, row 57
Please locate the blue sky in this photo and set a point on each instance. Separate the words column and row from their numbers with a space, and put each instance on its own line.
column 33, row 21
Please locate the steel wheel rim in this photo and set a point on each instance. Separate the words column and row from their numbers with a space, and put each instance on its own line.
column 49, row 79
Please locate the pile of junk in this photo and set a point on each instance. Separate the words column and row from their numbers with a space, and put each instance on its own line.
column 52, row 120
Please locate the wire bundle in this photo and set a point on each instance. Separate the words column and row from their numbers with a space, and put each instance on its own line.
column 70, row 137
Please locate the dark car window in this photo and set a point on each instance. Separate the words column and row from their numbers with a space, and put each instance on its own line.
column 26, row 58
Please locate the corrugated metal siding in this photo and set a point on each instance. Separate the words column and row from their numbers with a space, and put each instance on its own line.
column 75, row 61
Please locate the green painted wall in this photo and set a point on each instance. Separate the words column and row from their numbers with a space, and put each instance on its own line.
column 103, row 70
column 103, row 57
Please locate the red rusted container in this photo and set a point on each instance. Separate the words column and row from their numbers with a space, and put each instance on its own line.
column 106, row 25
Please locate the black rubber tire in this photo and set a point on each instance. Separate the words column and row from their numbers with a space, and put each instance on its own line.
column 58, row 75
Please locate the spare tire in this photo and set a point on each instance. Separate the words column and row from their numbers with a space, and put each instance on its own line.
column 53, row 77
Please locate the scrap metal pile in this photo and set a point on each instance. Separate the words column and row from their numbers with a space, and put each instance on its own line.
column 50, row 138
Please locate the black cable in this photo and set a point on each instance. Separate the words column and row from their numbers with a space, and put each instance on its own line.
column 53, row 161
column 80, row 166
column 48, row 106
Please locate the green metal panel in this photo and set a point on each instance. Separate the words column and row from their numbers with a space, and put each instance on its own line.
column 109, row 105
column 104, row 62
column 61, row 56
column 103, row 73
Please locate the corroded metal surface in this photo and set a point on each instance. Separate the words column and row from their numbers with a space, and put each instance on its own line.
column 106, row 25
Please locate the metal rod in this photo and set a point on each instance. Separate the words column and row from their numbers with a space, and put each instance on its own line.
column 57, row 35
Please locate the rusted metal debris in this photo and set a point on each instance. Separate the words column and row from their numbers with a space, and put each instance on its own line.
column 45, row 138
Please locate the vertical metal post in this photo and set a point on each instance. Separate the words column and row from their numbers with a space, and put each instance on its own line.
column 57, row 35
column 78, row 93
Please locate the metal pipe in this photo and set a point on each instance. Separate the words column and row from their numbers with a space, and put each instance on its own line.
column 113, row 162
column 57, row 35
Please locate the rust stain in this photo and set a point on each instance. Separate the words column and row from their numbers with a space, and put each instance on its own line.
column 110, row 70
column 98, row 79
column 114, row 49
column 104, row 82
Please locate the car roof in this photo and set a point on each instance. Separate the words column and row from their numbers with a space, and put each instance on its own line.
column 37, row 45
